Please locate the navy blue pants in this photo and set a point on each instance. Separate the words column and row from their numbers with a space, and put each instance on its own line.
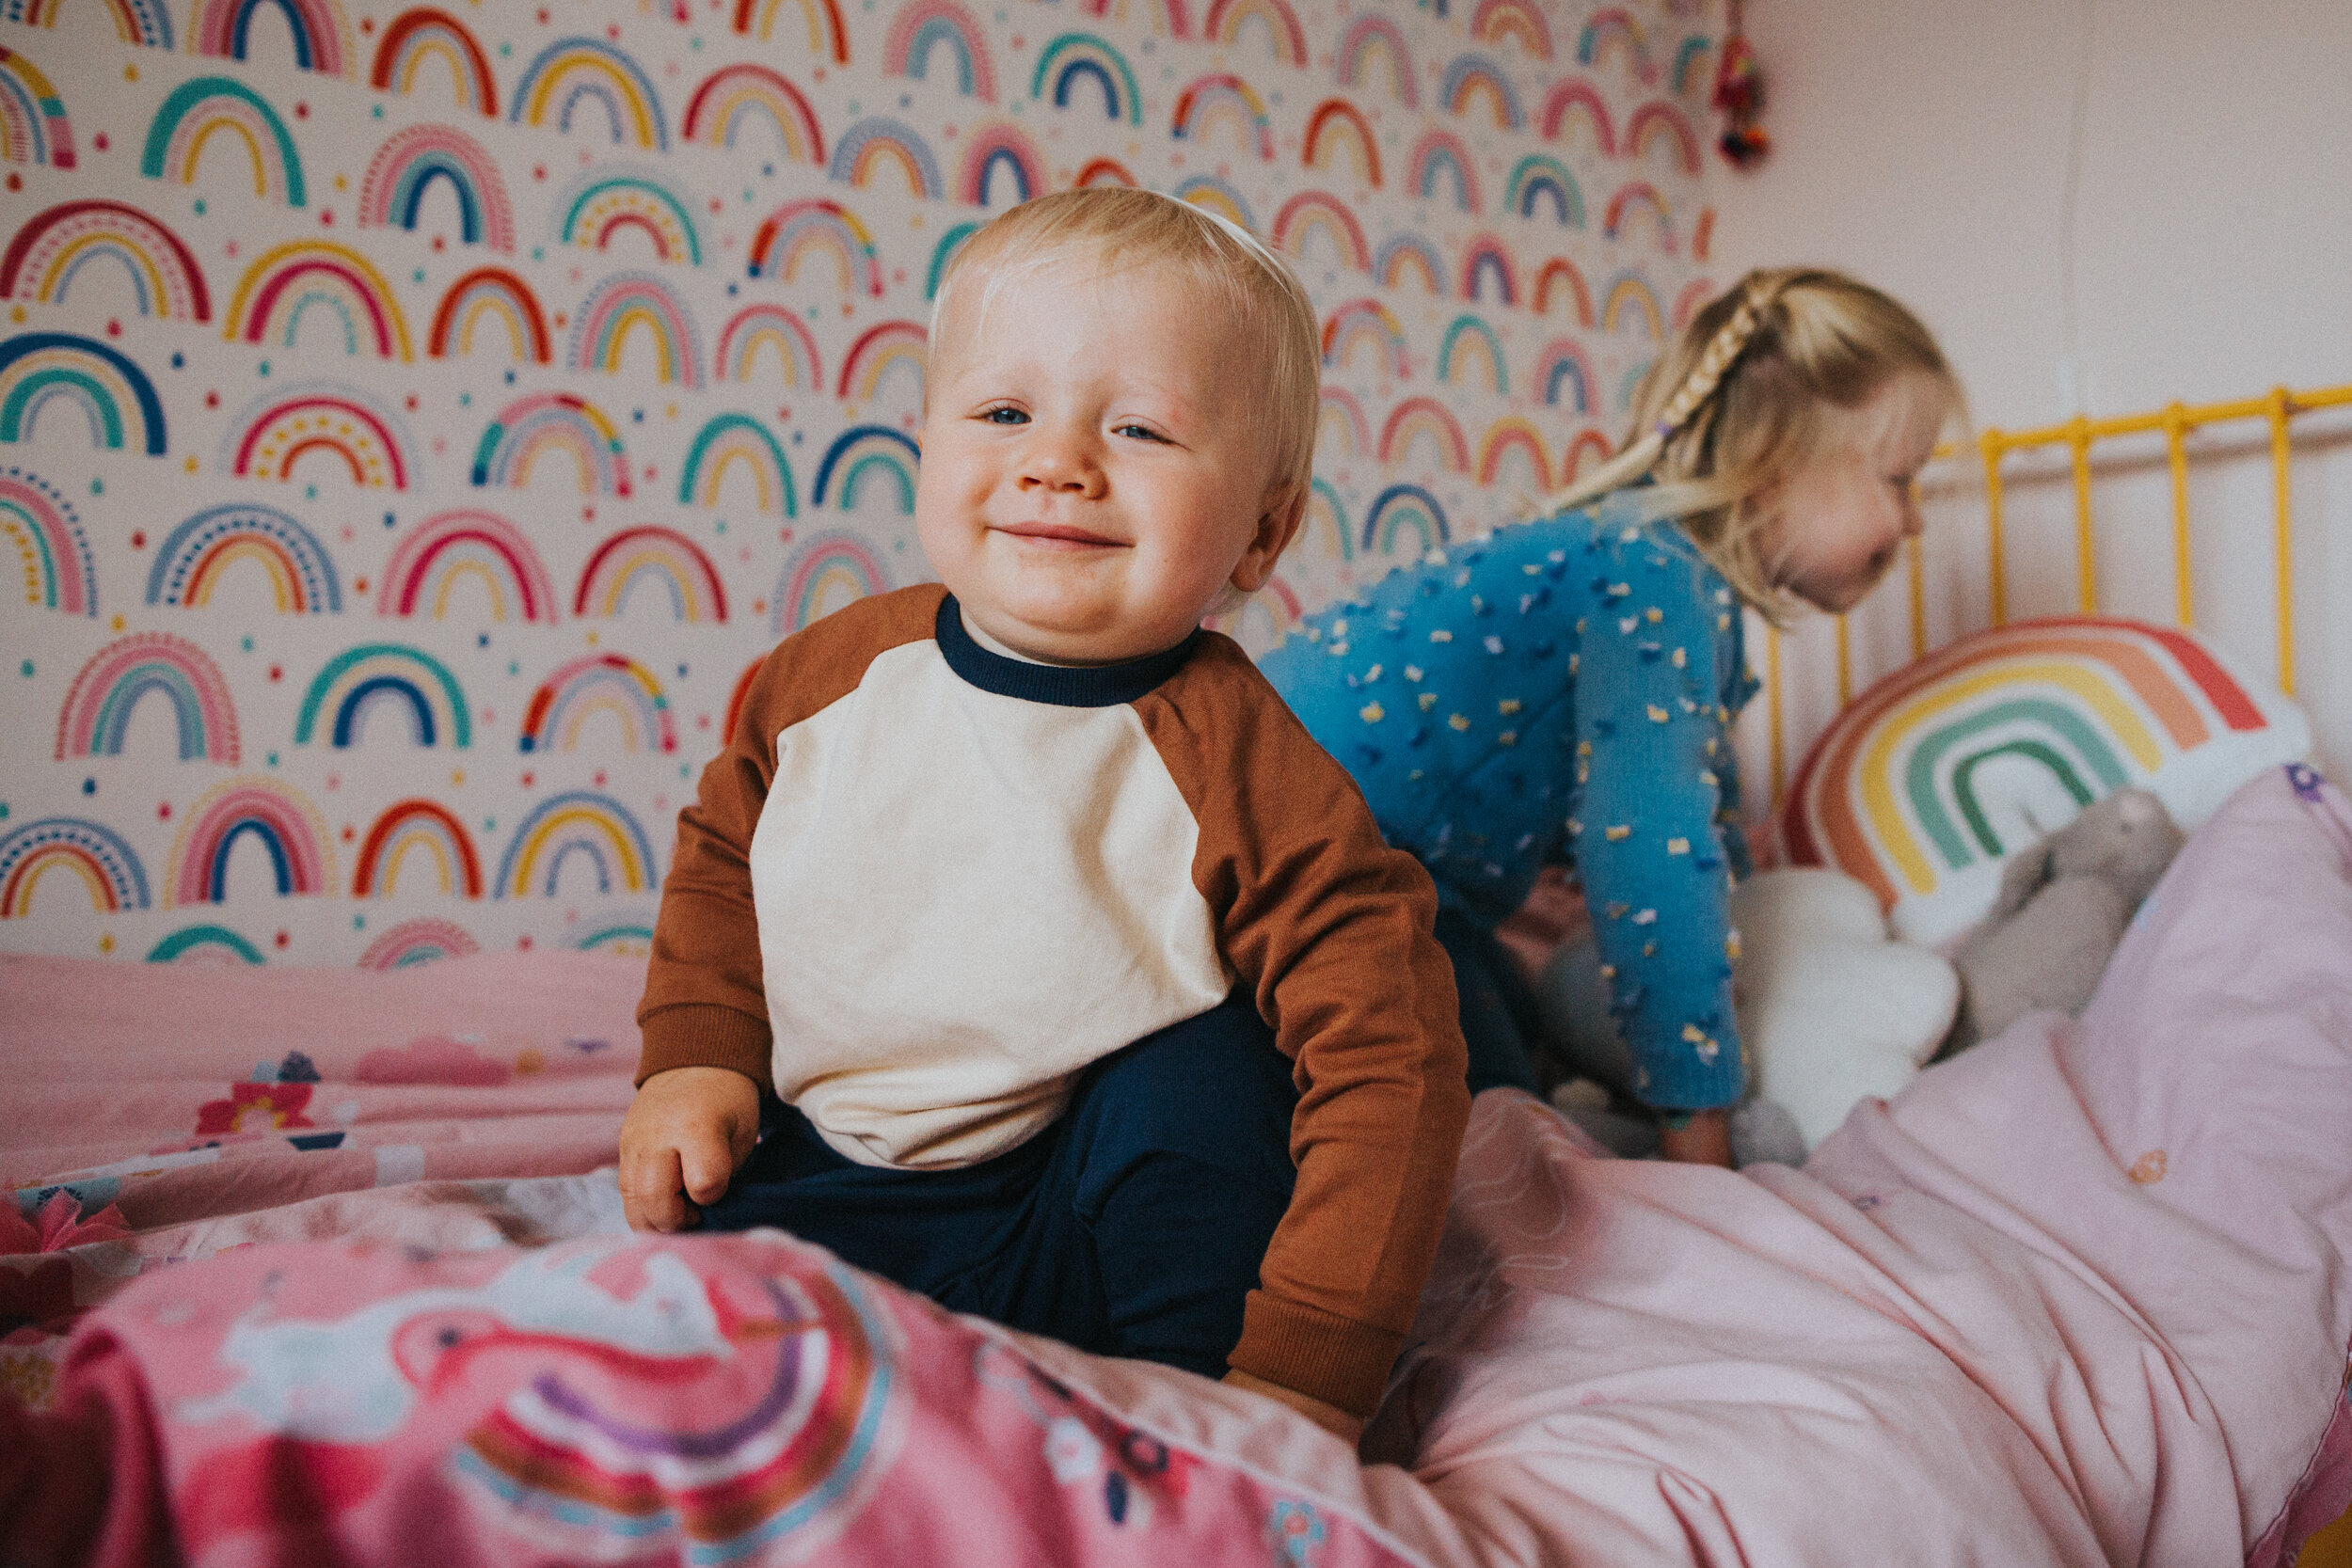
column 1499, row 1016
column 1133, row 1226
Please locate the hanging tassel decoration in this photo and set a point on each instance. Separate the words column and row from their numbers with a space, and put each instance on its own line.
column 1739, row 94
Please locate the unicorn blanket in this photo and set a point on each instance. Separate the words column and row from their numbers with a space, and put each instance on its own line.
column 2079, row 1296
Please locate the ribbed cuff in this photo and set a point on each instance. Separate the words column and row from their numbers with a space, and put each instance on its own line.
column 701, row 1034
column 1334, row 1359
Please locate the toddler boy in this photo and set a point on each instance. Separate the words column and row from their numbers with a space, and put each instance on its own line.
column 1085, row 992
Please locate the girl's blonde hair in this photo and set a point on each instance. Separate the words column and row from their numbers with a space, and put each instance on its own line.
column 1225, row 260
column 1737, row 404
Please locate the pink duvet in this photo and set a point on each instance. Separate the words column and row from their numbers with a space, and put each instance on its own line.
column 2078, row 1297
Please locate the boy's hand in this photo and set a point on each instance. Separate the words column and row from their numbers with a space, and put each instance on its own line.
column 685, row 1132
column 1330, row 1418
column 1704, row 1139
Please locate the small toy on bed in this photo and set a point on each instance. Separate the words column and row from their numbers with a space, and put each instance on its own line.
column 2062, row 907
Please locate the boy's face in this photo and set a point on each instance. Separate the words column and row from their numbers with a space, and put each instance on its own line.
column 1843, row 516
column 1096, row 470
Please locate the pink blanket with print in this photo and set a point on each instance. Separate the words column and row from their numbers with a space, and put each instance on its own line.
column 2079, row 1296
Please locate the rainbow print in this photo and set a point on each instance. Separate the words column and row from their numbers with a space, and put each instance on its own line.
column 1587, row 443
column 573, row 69
column 418, row 941
column 1174, row 18
column 98, row 707
column 322, row 34
column 1688, row 302
column 502, row 297
column 922, row 27
column 1286, row 40
column 627, row 940
column 599, row 683
column 109, row 390
column 1221, row 197
column 949, row 243
column 880, row 350
column 733, row 94
column 1694, row 64
column 529, row 428
column 615, row 309
column 871, row 142
column 824, row 572
column 1339, row 423
column 651, row 554
column 1559, row 275
column 1104, row 171
column 827, row 37
column 416, row 825
column 1074, row 58
column 1365, row 321
column 1409, row 257
column 1630, row 294
column 1497, row 19
column 33, row 125
column 866, row 449
column 1563, row 363
column 1540, row 175
column 425, row 34
column 1661, row 119
column 1473, row 76
column 96, row 854
column 279, row 429
column 1373, row 38
column 1614, row 31
column 1469, row 334
column 799, row 228
column 277, row 814
column 1419, row 417
column 1643, row 194
column 1312, row 213
column 41, row 261
column 1337, row 123
column 1513, row 432
column 1905, row 789
column 1441, row 156
column 581, row 821
column 757, row 327
column 730, row 438
column 1401, row 507
column 205, row 106
column 191, row 560
column 290, row 279
column 449, row 548
column 408, row 163
column 357, row 681
column 1703, row 233
column 1485, row 258
column 1224, row 99
column 1629, row 384
column 52, row 549
column 989, row 147
column 1327, row 522
column 1578, row 97
column 1265, row 618
column 204, row 944
column 145, row 22
column 606, row 201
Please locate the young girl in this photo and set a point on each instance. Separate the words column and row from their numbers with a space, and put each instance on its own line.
column 1562, row 691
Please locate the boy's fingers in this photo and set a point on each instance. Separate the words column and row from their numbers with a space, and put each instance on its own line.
column 649, row 1191
column 708, row 1167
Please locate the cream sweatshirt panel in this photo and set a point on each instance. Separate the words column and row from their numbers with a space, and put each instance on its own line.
column 963, row 900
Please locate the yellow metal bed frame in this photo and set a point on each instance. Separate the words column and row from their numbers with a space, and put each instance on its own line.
column 2175, row 421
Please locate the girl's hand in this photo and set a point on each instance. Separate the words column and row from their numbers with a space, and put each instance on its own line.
column 1330, row 1418
column 685, row 1132
column 1704, row 1139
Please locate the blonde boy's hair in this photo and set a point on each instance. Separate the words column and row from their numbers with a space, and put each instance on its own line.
column 1737, row 405
column 1223, row 259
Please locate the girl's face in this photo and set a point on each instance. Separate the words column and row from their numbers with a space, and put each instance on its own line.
column 1835, row 524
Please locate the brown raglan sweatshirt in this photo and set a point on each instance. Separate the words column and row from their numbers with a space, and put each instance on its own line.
column 926, row 885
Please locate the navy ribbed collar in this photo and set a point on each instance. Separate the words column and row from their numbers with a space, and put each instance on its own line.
column 1062, row 684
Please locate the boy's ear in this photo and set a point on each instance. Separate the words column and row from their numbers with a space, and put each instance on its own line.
column 1277, row 525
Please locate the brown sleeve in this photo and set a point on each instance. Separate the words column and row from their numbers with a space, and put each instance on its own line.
column 1332, row 930
column 705, row 1005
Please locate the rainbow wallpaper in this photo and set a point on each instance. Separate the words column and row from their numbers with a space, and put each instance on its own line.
column 414, row 419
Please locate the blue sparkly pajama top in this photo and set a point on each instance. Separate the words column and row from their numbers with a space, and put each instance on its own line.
column 1560, row 692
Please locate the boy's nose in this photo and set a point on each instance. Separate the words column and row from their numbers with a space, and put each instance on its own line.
column 1061, row 464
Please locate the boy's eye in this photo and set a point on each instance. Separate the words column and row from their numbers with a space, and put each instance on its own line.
column 1139, row 431
column 1004, row 415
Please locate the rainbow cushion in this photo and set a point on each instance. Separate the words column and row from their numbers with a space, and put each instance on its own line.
column 1930, row 778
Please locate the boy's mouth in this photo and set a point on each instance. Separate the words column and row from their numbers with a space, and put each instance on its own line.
column 1059, row 536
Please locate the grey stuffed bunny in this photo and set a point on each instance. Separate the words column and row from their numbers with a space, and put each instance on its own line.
column 2063, row 908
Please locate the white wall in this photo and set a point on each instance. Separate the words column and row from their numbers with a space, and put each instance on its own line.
column 1926, row 149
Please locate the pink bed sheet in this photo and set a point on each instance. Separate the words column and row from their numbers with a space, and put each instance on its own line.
column 2077, row 1297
